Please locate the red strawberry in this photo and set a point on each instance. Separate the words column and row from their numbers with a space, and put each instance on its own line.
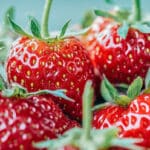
column 51, row 63
column 23, row 121
column 63, row 64
column 121, row 58
column 133, row 120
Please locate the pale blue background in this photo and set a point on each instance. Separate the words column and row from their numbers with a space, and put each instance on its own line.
column 62, row 10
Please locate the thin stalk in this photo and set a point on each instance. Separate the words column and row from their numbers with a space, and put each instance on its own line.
column 87, row 112
column 45, row 18
column 136, row 10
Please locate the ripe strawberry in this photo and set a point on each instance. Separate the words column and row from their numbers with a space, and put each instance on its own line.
column 62, row 64
column 133, row 120
column 118, row 50
column 23, row 121
column 51, row 63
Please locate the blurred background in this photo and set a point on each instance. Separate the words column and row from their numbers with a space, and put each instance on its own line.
column 62, row 10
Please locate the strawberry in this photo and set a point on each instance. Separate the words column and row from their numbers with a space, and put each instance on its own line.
column 133, row 120
column 24, row 121
column 118, row 48
column 87, row 138
column 50, row 63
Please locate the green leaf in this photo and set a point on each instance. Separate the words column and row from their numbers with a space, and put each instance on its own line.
column 64, row 29
column 87, row 19
column 106, row 14
column 58, row 93
column 104, row 92
column 146, row 23
column 17, row 28
column 144, row 28
column 15, row 91
column 123, row 30
column 10, row 12
column 135, row 88
column 122, row 13
column 147, row 79
column 35, row 27
column 108, row 91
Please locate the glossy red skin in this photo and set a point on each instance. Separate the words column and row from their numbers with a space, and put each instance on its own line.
column 120, row 60
column 133, row 121
column 23, row 121
column 107, row 116
column 63, row 64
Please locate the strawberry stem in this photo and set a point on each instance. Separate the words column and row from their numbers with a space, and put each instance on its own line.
column 45, row 18
column 87, row 112
column 58, row 93
column 136, row 10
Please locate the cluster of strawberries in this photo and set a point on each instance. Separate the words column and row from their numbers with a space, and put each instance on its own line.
column 108, row 52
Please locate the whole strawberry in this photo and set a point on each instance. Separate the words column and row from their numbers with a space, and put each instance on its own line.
column 132, row 118
column 119, row 48
column 43, row 62
column 24, row 121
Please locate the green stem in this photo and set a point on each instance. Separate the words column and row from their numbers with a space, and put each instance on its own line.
column 87, row 112
column 136, row 10
column 44, row 27
column 58, row 93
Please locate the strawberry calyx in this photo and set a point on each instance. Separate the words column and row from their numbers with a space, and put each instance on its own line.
column 41, row 32
column 132, row 20
column 111, row 94
column 87, row 138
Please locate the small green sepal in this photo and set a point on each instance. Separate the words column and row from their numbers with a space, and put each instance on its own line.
column 135, row 88
column 107, row 15
column 11, row 13
column 144, row 28
column 123, row 30
column 64, row 29
column 35, row 27
column 108, row 91
column 17, row 28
